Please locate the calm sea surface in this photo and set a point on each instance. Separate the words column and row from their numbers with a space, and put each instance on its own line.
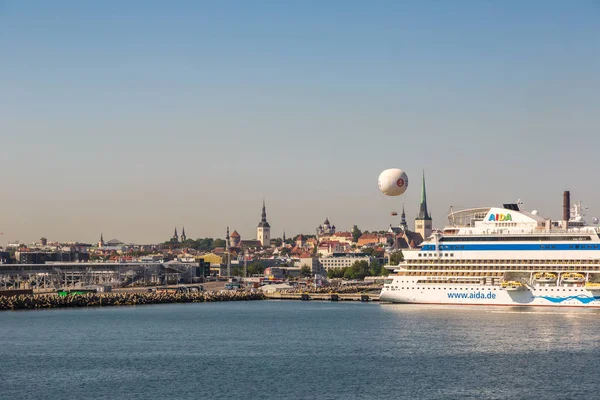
column 279, row 349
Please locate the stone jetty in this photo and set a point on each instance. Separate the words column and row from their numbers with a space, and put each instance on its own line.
column 32, row 302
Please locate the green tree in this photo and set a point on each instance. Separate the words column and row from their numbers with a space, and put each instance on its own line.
column 374, row 268
column 256, row 268
column 368, row 251
column 200, row 244
column 285, row 252
column 305, row 271
column 278, row 242
column 396, row 257
column 336, row 272
column 358, row 270
column 218, row 243
column 305, row 237
column 355, row 233
column 188, row 244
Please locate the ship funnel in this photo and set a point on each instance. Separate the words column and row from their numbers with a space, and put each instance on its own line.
column 566, row 208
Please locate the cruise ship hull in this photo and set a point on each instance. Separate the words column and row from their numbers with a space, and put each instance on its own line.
column 493, row 296
column 502, row 257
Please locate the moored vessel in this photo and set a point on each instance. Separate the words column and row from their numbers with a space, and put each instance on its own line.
column 503, row 256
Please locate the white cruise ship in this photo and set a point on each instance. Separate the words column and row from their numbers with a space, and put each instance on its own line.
column 503, row 256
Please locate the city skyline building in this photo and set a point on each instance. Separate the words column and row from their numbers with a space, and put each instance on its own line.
column 423, row 221
column 263, row 230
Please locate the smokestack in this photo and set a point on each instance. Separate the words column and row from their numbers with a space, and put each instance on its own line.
column 566, row 208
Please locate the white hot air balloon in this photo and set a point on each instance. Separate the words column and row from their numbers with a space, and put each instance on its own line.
column 393, row 182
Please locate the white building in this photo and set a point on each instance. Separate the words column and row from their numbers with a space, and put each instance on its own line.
column 263, row 231
column 342, row 260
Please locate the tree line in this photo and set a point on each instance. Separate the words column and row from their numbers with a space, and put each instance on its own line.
column 202, row 244
column 358, row 270
column 362, row 269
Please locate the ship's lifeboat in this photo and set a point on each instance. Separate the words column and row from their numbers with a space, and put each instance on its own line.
column 592, row 286
column 573, row 277
column 512, row 285
column 544, row 277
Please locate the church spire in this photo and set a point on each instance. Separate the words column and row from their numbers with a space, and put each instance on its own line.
column 423, row 223
column 183, row 236
column 175, row 236
column 263, row 230
column 423, row 213
column 403, row 223
column 263, row 220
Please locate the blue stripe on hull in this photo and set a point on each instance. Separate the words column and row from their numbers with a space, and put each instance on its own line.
column 512, row 247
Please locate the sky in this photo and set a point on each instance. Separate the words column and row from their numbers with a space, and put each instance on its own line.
column 131, row 118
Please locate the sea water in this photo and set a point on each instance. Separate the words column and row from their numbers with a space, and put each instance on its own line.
column 300, row 350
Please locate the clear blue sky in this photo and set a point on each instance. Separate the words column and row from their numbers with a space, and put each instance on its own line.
column 131, row 117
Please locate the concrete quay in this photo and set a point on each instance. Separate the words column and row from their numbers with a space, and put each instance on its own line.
column 323, row 296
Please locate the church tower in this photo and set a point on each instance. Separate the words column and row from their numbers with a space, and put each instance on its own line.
column 175, row 237
column 183, row 237
column 423, row 220
column 263, row 231
column 403, row 223
column 101, row 242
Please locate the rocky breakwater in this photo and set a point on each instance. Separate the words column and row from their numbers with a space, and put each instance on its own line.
column 31, row 302
column 346, row 289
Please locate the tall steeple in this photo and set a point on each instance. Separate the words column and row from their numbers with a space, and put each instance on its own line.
column 403, row 223
column 263, row 220
column 423, row 213
column 183, row 237
column 423, row 223
column 175, row 236
column 101, row 242
column 263, row 231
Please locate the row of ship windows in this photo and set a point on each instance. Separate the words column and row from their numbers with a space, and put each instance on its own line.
column 513, row 261
column 421, row 281
column 509, row 238
column 439, row 288
column 494, row 270
column 478, row 289
column 479, row 268
column 542, row 246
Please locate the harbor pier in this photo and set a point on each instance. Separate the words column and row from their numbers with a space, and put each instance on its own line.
column 322, row 296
